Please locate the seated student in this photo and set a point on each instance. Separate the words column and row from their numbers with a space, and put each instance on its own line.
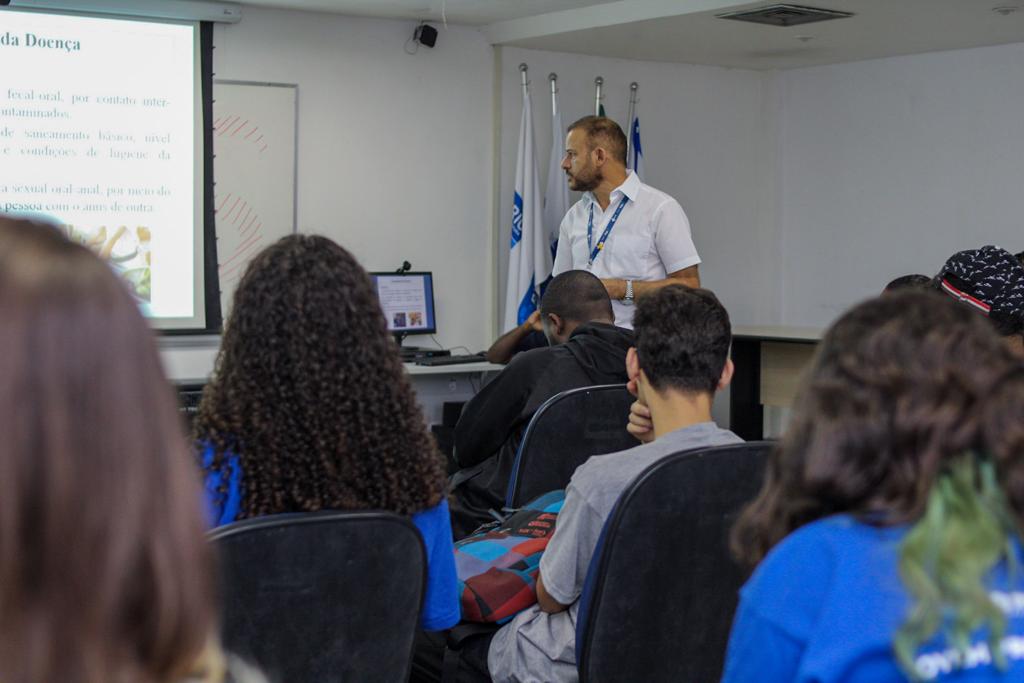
column 310, row 408
column 105, row 574
column 679, row 362
column 888, row 527
column 990, row 281
column 586, row 349
column 529, row 335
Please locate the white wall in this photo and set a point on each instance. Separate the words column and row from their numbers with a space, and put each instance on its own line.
column 807, row 189
column 889, row 166
column 394, row 150
column 708, row 137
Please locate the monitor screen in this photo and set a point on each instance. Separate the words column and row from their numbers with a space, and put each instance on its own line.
column 407, row 300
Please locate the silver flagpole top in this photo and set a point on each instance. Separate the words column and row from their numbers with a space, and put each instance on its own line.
column 598, row 81
column 633, row 86
column 522, row 70
column 552, row 77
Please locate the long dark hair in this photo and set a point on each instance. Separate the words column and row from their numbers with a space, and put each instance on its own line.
column 105, row 575
column 906, row 416
column 310, row 394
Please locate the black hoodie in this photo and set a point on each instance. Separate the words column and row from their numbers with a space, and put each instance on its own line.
column 492, row 423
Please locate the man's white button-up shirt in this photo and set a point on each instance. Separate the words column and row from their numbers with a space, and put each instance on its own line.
column 650, row 239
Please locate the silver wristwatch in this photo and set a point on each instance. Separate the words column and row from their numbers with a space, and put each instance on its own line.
column 629, row 292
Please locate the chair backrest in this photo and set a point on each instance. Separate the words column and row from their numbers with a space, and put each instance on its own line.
column 322, row 597
column 662, row 586
column 567, row 429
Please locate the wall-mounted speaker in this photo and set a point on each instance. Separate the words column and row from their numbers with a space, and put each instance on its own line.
column 425, row 35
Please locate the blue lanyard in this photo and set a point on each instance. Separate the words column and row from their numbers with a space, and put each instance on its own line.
column 596, row 249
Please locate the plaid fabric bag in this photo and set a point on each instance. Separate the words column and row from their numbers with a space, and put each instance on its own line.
column 497, row 566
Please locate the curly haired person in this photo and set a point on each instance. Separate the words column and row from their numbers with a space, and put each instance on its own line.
column 310, row 408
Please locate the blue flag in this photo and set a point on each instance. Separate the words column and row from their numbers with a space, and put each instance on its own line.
column 635, row 162
column 529, row 261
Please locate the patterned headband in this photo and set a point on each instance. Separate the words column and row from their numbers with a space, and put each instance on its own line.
column 989, row 279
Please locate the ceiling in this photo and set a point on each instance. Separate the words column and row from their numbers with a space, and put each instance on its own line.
column 467, row 12
column 688, row 31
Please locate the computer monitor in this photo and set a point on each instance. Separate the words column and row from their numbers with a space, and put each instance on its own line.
column 407, row 300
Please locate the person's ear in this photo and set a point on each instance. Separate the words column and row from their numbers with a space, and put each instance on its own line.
column 632, row 365
column 600, row 155
column 557, row 324
column 727, row 372
column 643, row 385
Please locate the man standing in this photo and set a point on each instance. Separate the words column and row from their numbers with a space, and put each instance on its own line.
column 586, row 349
column 632, row 236
column 680, row 360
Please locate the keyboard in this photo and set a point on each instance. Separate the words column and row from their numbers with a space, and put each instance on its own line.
column 451, row 360
column 189, row 396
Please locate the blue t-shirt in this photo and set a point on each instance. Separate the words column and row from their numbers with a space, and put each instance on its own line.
column 825, row 604
column 441, row 608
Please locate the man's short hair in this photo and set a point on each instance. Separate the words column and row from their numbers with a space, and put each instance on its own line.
column 603, row 132
column 577, row 295
column 682, row 338
column 914, row 281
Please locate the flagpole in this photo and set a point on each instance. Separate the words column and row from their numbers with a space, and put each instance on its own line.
column 522, row 70
column 556, row 195
column 553, row 78
column 633, row 87
column 598, row 82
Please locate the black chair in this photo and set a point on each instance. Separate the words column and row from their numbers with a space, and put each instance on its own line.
column 567, row 429
column 662, row 587
column 322, row 597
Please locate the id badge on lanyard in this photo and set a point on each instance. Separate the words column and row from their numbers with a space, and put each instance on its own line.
column 595, row 249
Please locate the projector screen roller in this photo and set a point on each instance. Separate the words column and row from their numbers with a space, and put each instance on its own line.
column 101, row 132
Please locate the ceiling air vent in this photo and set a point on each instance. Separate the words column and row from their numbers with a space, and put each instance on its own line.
column 784, row 15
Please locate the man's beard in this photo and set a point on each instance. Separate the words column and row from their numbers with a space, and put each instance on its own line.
column 585, row 183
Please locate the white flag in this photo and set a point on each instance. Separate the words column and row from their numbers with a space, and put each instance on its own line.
column 636, row 152
column 529, row 261
column 556, row 196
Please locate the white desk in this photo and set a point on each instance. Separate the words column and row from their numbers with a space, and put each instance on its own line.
column 189, row 360
column 769, row 364
column 458, row 368
column 779, row 332
column 439, row 384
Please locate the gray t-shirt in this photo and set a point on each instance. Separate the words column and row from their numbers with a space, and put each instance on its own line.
column 537, row 646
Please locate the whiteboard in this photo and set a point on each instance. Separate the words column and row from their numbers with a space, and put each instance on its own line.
column 254, row 135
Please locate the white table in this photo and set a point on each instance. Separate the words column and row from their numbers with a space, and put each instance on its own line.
column 458, row 368
column 769, row 364
column 189, row 361
column 436, row 385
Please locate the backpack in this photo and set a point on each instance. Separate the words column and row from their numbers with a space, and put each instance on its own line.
column 497, row 566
